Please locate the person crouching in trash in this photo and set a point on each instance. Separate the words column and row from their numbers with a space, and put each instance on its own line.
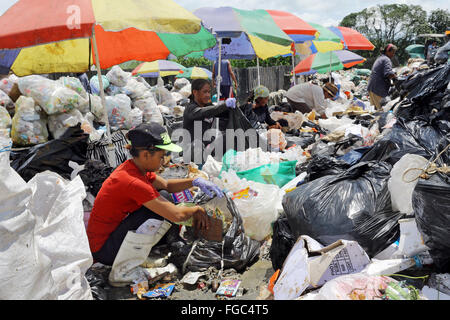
column 306, row 97
column 129, row 216
column 257, row 111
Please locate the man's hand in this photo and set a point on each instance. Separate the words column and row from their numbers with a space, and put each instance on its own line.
column 201, row 219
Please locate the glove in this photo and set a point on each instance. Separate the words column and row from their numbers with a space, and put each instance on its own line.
column 207, row 186
column 231, row 103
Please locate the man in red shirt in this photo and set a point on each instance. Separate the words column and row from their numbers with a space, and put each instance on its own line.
column 129, row 216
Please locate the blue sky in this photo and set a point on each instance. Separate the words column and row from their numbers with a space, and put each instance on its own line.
column 325, row 12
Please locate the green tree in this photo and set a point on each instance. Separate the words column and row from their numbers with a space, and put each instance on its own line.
column 439, row 20
column 392, row 23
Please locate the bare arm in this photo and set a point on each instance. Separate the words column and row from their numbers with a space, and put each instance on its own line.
column 171, row 212
column 172, row 185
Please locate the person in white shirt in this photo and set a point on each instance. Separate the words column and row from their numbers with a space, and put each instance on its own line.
column 306, row 97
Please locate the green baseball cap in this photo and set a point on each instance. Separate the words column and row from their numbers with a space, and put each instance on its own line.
column 261, row 92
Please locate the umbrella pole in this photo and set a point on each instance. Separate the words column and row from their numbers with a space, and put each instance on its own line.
column 330, row 67
column 293, row 69
column 111, row 150
column 259, row 77
column 219, row 70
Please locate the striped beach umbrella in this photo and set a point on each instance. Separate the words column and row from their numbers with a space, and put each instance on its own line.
column 195, row 73
column 157, row 68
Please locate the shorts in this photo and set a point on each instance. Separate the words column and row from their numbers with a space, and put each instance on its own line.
column 375, row 100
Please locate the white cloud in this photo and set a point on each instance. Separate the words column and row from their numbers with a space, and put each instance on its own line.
column 324, row 12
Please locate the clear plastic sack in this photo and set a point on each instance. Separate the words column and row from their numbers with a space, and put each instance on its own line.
column 118, row 77
column 186, row 91
column 58, row 124
column 164, row 97
column 5, row 119
column 6, row 102
column 135, row 89
column 6, row 84
column 29, row 127
column 134, row 119
column 74, row 84
column 50, row 95
column 152, row 114
column 119, row 109
column 97, row 108
column 180, row 83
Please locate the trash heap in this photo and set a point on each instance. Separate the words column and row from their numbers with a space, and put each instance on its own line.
column 358, row 199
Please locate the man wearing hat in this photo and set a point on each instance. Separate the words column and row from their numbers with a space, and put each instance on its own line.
column 257, row 111
column 129, row 216
column 306, row 97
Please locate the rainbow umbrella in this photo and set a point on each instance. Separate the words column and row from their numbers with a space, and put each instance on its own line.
column 325, row 42
column 352, row 39
column 249, row 33
column 157, row 68
column 297, row 29
column 195, row 73
column 50, row 36
column 320, row 62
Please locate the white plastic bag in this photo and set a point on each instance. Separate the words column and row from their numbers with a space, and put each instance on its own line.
column 152, row 114
column 60, row 234
column 177, row 96
column 295, row 120
column 6, row 84
column 180, row 83
column 276, row 139
column 212, row 167
column 164, row 97
column 118, row 77
column 50, row 95
column 259, row 209
column 186, row 91
column 29, row 127
column 334, row 124
column 24, row 270
column 119, row 108
column 401, row 185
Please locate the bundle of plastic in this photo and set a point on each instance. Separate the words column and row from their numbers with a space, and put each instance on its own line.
column 119, row 109
column 6, row 84
column 5, row 119
column 164, row 97
column 6, row 102
column 186, row 91
column 29, row 127
column 74, row 84
column 50, row 95
column 135, row 89
column 97, row 108
column 180, row 83
column 134, row 119
column 58, row 124
column 118, row 77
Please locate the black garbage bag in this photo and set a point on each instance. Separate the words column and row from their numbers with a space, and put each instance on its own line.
column 97, row 282
column 303, row 139
column 322, row 165
column 339, row 206
column 282, row 242
column 237, row 249
column 94, row 174
column 54, row 155
column 431, row 205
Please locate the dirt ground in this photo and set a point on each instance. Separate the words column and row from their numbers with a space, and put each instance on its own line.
column 254, row 280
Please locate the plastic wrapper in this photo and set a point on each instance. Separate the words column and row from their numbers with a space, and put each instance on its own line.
column 135, row 118
column 237, row 250
column 95, row 85
column 50, row 95
column 74, row 84
column 54, row 155
column 118, row 77
column 119, row 109
column 5, row 101
column 5, row 119
column 29, row 127
column 353, row 205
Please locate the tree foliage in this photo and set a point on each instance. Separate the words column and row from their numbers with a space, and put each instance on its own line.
column 439, row 20
column 392, row 23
